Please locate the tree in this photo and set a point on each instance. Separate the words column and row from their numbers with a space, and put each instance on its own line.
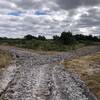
column 56, row 38
column 67, row 38
column 29, row 37
column 41, row 37
column 79, row 37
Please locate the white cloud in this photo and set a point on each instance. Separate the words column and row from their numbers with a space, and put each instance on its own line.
column 19, row 17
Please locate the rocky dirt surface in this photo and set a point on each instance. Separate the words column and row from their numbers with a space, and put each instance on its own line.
column 38, row 77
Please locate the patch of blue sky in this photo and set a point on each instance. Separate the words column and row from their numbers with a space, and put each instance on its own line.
column 40, row 12
column 15, row 13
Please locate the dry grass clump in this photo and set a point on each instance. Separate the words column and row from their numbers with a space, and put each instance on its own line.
column 5, row 58
column 88, row 67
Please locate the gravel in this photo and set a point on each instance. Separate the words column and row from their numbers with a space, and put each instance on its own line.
column 38, row 77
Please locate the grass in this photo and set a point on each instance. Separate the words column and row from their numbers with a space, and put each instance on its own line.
column 5, row 58
column 39, row 45
column 1, row 98
column 88, row 67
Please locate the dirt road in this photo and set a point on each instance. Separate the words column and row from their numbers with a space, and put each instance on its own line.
column 33, row 76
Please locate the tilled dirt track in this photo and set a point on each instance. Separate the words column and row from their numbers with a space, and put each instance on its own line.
column 38, row 77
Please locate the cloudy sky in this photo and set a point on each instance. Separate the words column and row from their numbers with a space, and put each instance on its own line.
column 49, row 17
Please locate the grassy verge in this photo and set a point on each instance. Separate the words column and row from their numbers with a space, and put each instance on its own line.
column 1, row 98
column 88, row 68
column 5, row 58
column 39, row 45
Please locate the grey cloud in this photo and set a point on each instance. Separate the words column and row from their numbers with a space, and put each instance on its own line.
column 71, row 4
column 92, row 19
column 27, row 4
column 89, row 21
column 35, row 4
column 56, row 21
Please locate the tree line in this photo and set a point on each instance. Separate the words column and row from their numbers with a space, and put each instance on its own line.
column 67, row 38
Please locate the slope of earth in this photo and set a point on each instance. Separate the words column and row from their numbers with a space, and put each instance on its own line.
column 5, row 58
column 88, row 67
column 40, row 77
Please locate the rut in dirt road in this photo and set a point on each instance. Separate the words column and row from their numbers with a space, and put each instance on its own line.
column 37, row 77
